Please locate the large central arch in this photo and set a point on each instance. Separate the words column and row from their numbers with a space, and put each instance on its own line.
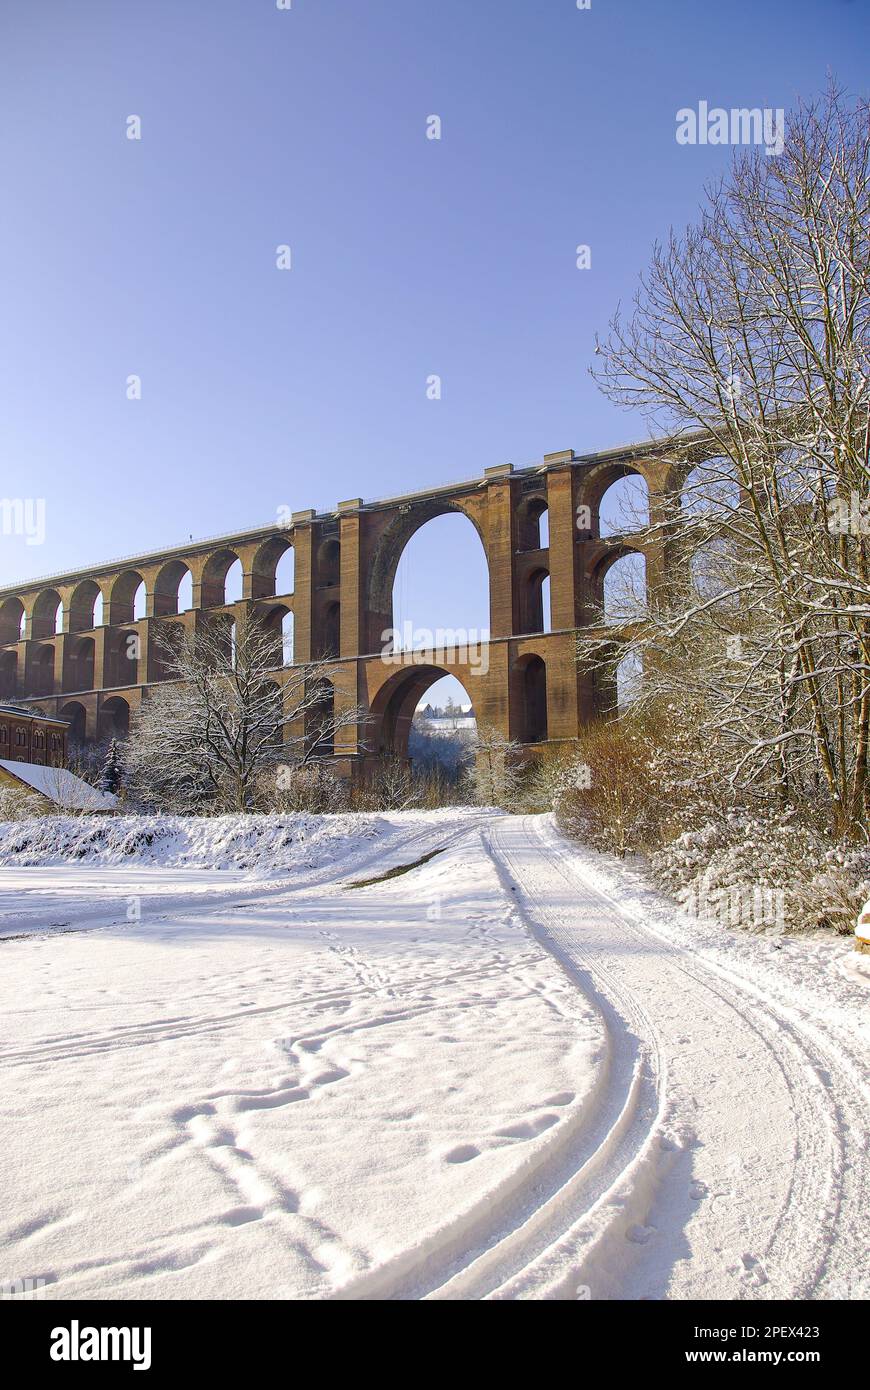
column 390, row 549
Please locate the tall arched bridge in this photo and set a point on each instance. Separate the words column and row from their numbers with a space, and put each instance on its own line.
column 76, row 645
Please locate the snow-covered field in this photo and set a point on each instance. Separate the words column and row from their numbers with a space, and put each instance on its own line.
column 512, row 1072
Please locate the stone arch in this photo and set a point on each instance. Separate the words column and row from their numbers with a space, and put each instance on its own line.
column 329, row 561
column 535, row 601
column 163, row 635
column 125, row 597
column 11, row 620
column 168, row 588
column 628, row 676
column 83, row 606
column 710, row 488
column 598, row 482
column 115, row 718
column 8, row 675
column 271, row 566
column 42, row 670
column 393, row 707
column 326, row 626
column 277, row 623
column 234, row 582
column 532, row 517
column 529, row 698
column 389, row 550
column 319, row 725
column 331, row 635
column 272, row 692
column 619, row 583
column 214, row 577
column 76, row 716
column 47, row 614
column 122, row 658
column 79, row 664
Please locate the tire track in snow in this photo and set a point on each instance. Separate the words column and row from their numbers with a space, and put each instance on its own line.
column 799, row 1232
column 578, row 1163
column 651, row 1192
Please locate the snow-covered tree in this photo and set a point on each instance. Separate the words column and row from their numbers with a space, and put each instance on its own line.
column 112, row 771
column 222, row 719
column 749, row 348
column 496, row 771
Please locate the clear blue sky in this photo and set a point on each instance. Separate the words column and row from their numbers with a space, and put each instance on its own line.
column 307, row 127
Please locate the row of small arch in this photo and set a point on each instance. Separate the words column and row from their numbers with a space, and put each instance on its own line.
column 113, row 716
column 122, row 658
column 221, row 581
column 221, row 585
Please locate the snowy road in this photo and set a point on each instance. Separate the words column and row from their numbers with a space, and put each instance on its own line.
column 512, row 1072
column 733, row 1150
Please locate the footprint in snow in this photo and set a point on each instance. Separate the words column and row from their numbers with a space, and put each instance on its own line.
column 461, row 1154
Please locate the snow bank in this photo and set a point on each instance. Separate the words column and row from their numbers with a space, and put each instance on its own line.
column 862, row 931
column 261, row 845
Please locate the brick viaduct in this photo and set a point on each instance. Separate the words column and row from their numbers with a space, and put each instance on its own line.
column 54, row 658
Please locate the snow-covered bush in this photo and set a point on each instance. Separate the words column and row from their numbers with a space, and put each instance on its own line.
column 16, row 803
column 314, row 788
column 625, row 787
column 642, row 784
column 763, row 872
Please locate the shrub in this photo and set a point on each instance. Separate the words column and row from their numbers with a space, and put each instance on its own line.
column 17, row 803
column 611, row 792
column 766, row 871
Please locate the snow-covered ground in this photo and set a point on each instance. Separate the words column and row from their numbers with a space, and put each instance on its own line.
column 512, row 1072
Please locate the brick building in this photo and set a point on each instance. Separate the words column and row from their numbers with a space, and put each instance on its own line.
column 28, row 737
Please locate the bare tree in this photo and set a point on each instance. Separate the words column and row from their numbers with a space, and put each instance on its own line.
column 496, row 772
column 222, row 720
column 748, row 347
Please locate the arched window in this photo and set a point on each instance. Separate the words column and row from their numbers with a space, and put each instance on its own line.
column 529, row 697
column 533, row 524
column 624, row 589
column 11, row 620
column 623, row 506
